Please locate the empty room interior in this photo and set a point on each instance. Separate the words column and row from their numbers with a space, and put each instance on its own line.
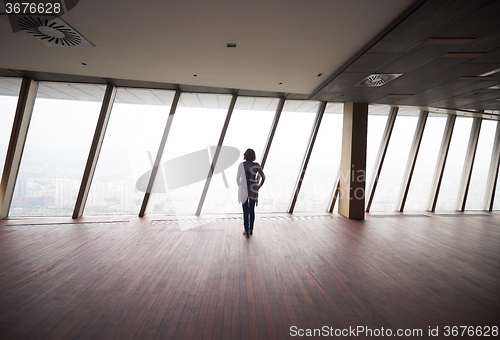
column 124, row 132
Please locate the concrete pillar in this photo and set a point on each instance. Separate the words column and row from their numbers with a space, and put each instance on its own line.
column 22, row 119
column 353, row 161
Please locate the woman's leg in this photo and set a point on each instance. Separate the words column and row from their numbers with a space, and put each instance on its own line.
column 245, row 215
column 251, row 212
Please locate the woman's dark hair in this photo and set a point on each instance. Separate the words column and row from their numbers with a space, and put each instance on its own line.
column 249, row 155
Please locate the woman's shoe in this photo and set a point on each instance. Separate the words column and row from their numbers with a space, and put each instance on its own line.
column 245, row 234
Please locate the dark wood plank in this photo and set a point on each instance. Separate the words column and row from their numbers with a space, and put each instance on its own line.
column 147, row 279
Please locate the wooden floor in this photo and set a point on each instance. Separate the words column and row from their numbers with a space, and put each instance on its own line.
column 131, row 278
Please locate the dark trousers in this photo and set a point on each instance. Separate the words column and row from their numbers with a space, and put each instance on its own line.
column 248, row 214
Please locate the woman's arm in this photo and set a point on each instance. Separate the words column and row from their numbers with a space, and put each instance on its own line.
column 240, row 174
column 262, row 176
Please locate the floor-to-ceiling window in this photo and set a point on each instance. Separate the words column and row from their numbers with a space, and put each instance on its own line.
column 286, row 154
column 377, row 119
column 191, row 144
column 395, row 161
column 57, row 145
column 9, row 93
column 137, row 120
column 324, row 162
column 447, row 198
column 65, row 115
column 477, row 186
column 248, row 129
column 426, row 162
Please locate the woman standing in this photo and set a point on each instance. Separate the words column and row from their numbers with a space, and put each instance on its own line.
column 248, row 188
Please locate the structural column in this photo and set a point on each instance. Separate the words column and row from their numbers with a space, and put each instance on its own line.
column 463, row 190
column 20, row 126
column 489, row 197
column 353, row 161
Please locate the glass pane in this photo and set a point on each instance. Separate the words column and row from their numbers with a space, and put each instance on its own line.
column 395, row 160
column 193, row 137
column 286, row 154
column 447, row 198
column 249, row 128
column 477, row 188
column 426, row 163
column 56, row 150
column 324, row 163
column 9, row 93
column 133, row 135
column 377, row 119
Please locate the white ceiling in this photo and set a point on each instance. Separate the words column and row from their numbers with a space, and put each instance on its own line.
column 279, row 41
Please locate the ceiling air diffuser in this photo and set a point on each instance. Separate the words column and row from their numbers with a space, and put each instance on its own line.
column 54, row 32
column 378, row 79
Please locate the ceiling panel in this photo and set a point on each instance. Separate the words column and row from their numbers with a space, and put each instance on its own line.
column 442, row 78
column 371, row 61
column 419, row 74
column 417, row 57
column 423, row 24
column 344, row 82
column 490, row 57
column 475, row 24
column 487, row 42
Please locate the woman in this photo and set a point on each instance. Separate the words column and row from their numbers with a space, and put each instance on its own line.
column 248, row 188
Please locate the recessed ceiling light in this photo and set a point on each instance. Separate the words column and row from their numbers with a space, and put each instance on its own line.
column 231, row 45
column 475, row 78
column 378, row 79
column 463, row 54
column 449, row 41
column 490, row 73
column 320, row 74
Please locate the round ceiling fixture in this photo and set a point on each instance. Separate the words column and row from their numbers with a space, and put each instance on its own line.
column 378, row 79
column 52, row 32
column 49, row 31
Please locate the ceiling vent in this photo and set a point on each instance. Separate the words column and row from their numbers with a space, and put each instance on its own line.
column 53, row 32
column 378, row 79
